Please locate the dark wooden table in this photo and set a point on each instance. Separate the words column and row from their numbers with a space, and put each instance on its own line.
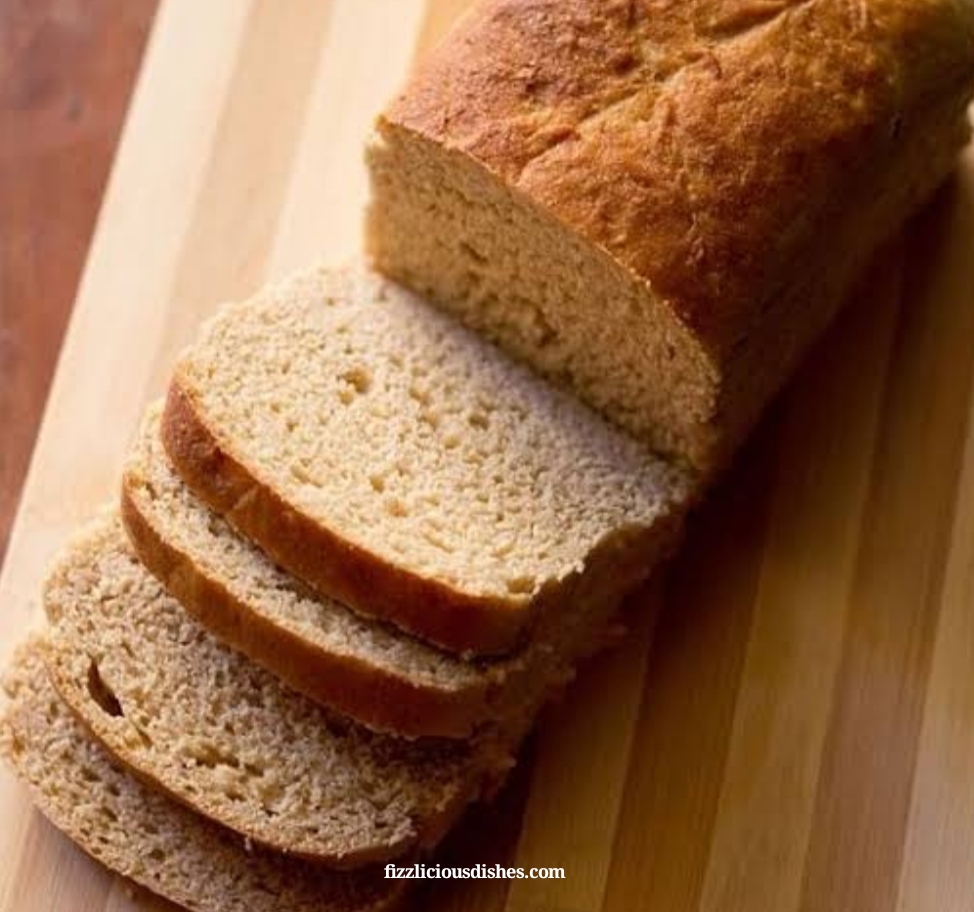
column 67, row 69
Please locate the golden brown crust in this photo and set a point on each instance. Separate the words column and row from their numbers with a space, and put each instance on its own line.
column 703, row 143
column 427, row 608
column 364, row 692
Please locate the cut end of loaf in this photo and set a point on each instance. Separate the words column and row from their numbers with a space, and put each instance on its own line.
column 663, row 206
column 442, row 224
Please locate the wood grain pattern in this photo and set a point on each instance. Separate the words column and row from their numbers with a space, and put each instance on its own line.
column 66, row 71
column 793, row 731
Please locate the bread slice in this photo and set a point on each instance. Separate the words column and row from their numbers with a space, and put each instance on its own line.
column 220, row 734
column 359, row 667
column 664, row 204
column 145, row 836
column 394, row 461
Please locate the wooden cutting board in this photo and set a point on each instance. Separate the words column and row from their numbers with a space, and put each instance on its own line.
column 796, row 734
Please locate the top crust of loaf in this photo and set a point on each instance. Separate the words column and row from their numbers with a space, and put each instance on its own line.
column 394, row 461
column 701, row 143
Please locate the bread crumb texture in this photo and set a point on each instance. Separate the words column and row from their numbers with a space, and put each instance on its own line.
column 414, row 440
column 147, row 837
column 225, row 736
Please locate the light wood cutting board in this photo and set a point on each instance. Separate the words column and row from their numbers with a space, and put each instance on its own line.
column 796, row 734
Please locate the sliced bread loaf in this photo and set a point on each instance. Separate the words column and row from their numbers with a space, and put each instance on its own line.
column 222, row 735
column 664, row 204
column 393, row 460
column 360, row 667
column 145, row 836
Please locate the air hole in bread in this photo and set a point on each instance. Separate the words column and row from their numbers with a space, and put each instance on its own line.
column 359, row 378
column 419, row 394
column 437, row 541
column 430, row 418
column 147, row 742
column 108, row 814
column 211, row 756
column 292, row 586
column 16, row 746
column 101, row 693
column 300, row 473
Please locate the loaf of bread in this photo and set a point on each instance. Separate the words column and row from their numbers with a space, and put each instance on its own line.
column 361, row 668
column 356, row 519
column 394, row 461
column 150, row 839
column 662, row 204
column 196, row 719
